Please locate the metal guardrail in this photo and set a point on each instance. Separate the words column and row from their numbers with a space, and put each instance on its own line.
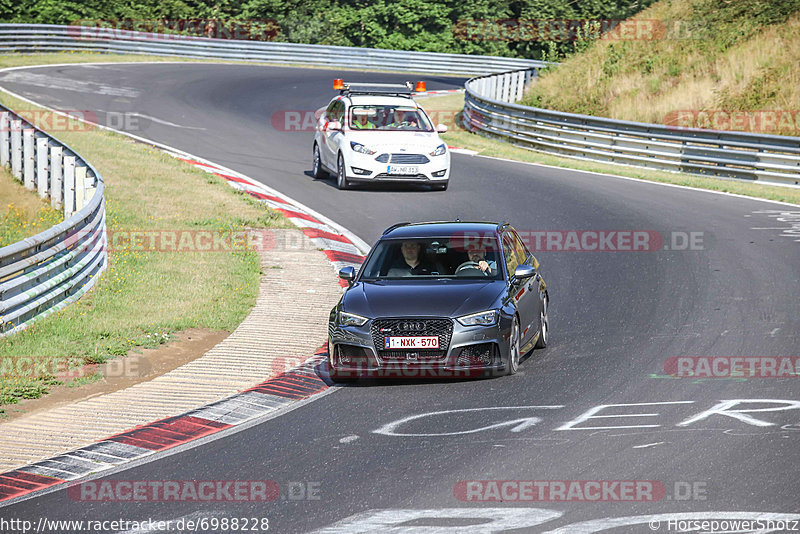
column 54, row 38
column 489, row 109
column 44, row 273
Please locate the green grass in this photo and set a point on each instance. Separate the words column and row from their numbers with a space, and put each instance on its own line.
column 145, row 296
column 450, row 105
column 22, row 213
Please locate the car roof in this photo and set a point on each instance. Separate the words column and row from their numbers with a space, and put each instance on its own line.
column 380, row 100
column 439, row 229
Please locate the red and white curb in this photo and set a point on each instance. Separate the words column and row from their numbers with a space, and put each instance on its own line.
column 342, row 247
column 269, row 396
column 439, row 92
column 338, row 245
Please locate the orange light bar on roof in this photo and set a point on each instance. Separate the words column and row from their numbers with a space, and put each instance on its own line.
column 338, row 84
column 420, row 87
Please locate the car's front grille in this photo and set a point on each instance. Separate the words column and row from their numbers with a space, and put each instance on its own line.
column 409, row 159
column 382, row 328
column 384, row 176
column 383, row 158
column 412, row 356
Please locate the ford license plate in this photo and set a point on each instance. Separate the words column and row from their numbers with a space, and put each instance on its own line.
column 403, row 169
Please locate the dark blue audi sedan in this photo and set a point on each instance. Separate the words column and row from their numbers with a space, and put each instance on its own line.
column 439, row 299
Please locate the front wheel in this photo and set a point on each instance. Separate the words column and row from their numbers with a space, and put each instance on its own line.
column 318, row 171
column 341, row 178
column 513, row 348
column 544, row 326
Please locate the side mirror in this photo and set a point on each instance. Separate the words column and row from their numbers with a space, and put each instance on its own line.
column 441, row 128
column 348, row 274
column 523, row 272
column 335, row 126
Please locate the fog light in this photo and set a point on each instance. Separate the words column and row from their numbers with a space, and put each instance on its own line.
column 356, row 170
column 439, row 174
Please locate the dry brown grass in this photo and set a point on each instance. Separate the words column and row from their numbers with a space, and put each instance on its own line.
column 727, row 66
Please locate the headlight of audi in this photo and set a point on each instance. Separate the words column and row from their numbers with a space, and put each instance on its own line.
column 358, row 147
column 440, row 150
column 351, row 319
column 484, row 318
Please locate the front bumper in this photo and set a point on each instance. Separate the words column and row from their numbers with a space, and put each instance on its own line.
column 472, row 351
column 362, row 168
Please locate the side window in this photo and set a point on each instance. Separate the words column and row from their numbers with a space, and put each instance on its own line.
column 520, row 248
column 510, row 254
column 329, row 110
column 523, row 252
column 338, row 111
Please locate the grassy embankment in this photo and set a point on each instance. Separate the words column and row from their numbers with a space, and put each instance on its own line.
column 145, row 297
column 705, row 55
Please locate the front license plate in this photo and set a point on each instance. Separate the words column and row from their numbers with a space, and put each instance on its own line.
column 415, row 342
column 403, row 169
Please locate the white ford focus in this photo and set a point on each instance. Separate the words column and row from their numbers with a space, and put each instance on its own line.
column 374, row 133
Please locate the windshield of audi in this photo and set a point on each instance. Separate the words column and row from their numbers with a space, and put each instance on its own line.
column 389, row 118
column 433, row 258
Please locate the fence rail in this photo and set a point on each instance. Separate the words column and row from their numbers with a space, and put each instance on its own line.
column 490, row 109
column 46, row 272
column 53, row 38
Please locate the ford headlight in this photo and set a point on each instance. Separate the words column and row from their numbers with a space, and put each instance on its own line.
column 440, row 150
column 351, row 319
column 485, row 318
column 361, row 149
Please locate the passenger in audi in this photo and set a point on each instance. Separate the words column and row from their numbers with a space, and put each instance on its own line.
column 412, row 262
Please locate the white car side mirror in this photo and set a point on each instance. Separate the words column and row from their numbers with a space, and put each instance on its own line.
column 335, row 126
column 441, row 128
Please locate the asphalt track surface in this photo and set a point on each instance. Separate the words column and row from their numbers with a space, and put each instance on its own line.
column 616, row 317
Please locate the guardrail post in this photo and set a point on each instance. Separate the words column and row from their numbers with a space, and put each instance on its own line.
column 507, row 79
column 90, row 187
column 5, row 140
column 29, row 159
column 519, row 86
column 16, row 149
column 56, row 174
column 69, row 186
column 42, row 171
column 80, row 187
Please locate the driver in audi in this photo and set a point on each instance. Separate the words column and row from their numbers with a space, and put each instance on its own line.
column 477, row 254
